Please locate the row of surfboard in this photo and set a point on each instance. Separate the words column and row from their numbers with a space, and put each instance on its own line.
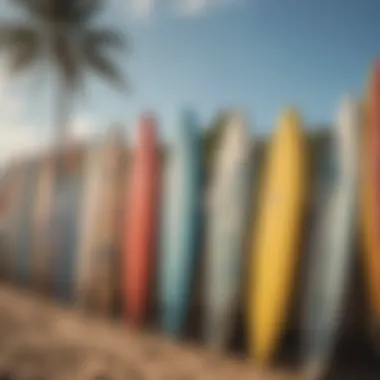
column 65, row 226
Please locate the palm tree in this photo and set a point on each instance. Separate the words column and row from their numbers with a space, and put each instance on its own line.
column 63, row 33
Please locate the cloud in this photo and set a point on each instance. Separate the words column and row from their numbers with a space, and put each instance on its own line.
column 193, row 8
column 15, row 139
column 21, row 137
column 142, row 9
column 11, row 106
column 138, row 9
column 82, row 127
column 18, row 136
column 18, row 141
column 22, row 140
column 147, row 9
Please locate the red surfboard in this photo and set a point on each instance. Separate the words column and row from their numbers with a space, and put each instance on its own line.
column 141, row 204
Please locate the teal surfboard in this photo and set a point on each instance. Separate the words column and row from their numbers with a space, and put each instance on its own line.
column 181, row 209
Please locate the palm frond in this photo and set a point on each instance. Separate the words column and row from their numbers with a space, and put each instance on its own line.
column 14, row 35
column 23, row 59
column 66, row 56
column 21, row 43
column 38, row 8
column 73, row 11
column 85, row 10
column 104, row 38
column 102, row 65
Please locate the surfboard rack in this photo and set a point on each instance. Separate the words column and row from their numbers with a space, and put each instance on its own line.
column 44, row 341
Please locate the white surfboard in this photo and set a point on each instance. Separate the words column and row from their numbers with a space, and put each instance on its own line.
column 89, row 208
column 228, row 208
column 331, row 257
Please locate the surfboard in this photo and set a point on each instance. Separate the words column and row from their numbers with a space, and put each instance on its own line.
column 3, row 219
column 66, row 208
column 107, row 248
column 89, row 208
column 227, row 227
column 27, row 199
column 99, row 224
column 14, row 193
column 330, row 263
column 41, row 247
column 370, row 201
column 180, row 223
column 275, row 251
column 141, row 221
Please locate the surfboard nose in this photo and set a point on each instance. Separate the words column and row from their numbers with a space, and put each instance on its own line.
column 376, row 69
column 235, row 127
column 348, row 119
column 290, row 118
column 188, row 124
column 147, row 128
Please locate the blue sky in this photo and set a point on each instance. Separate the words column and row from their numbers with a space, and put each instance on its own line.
column 261, row 55
column 258, row 54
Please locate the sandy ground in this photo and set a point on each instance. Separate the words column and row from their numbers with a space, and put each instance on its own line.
column 41, row 341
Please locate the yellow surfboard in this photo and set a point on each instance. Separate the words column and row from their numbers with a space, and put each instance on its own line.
column 274, row 255
column 370, row 221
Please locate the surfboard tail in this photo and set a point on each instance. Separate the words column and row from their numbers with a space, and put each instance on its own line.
column 314, row 370
column 220, row 310
column 263, row 350
column 375, row 334
column 173, row 319
column 136, row 305
column 217, row 332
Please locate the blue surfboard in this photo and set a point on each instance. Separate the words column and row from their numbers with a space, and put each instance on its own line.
column 180, row 224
